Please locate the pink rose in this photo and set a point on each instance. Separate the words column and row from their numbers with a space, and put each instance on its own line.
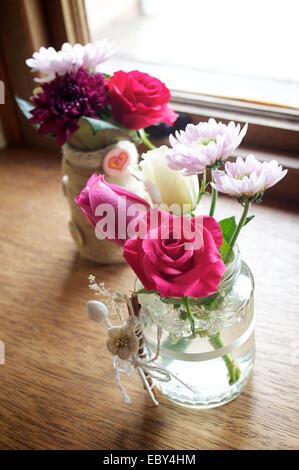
column 167, row 266
column 110, row 208
column 139, row 100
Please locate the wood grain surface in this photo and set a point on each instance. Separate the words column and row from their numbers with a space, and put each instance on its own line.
column 57, row 388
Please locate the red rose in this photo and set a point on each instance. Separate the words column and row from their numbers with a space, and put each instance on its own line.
column 139, row 100
column 170, row 260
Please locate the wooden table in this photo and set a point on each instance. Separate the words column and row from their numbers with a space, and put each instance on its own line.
column 57, row 388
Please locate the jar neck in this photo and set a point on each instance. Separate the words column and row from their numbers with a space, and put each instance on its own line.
column 91, row 159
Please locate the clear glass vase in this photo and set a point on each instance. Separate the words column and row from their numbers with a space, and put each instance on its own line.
column 215, row 364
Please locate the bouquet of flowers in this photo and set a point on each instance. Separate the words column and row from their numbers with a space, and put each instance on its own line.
column 190, row 316
column 193, row 292
column 97, row 119
column 75, row 104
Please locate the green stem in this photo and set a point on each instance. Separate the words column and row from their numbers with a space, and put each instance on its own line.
column 232, row 367
column 237, row 231
column 186, row 300
column 145, row 140
column 203, row 187
column 214, row 200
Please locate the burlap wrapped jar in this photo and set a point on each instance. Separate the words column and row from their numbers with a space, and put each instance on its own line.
column 78, row 166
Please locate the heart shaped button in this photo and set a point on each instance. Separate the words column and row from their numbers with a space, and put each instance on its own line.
column 116, row 161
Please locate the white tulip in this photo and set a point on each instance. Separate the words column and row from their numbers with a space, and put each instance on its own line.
column 166, row 186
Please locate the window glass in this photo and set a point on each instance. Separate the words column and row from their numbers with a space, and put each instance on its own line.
column 232, row 48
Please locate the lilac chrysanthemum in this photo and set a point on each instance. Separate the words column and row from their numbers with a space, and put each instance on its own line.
column 247, row 178
column 69, row 59
column 67, row 98
column 203, row 146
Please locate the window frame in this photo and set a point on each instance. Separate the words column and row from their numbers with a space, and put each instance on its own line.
column 279, row 124
column 25, row 26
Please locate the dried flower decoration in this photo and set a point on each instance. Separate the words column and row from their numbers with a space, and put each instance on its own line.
column 122, row 341
column 126, row 341
column 115, row 301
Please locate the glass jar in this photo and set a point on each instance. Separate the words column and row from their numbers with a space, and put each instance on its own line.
column 214, row 366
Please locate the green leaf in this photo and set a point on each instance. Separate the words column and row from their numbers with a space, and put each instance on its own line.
column 145, row 291
column 176, row 306
column 99, row 125
column 228, row 227
column 85, row 138
column 94, row 134
column 179, row 301
column 25, row 106
column 248, row 219
column 183, row 315
column 224, row 249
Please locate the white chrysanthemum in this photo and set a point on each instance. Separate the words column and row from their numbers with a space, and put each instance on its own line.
column 247, row 178
column 69, row 58
column 203, row 145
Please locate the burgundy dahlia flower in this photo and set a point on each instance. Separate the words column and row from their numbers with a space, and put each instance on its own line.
column 65, row 100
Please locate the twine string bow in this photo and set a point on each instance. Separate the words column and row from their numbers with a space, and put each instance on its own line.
column 145, row 368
